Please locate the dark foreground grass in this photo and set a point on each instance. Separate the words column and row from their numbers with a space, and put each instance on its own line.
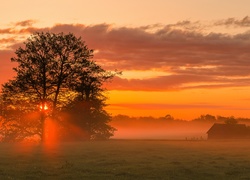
column 127, row 159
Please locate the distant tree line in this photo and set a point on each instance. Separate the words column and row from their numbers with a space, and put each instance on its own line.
column 207, row 118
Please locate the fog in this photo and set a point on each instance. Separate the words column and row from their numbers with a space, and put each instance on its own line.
column 166, row 127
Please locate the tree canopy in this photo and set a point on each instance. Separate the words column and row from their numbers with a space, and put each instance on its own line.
column 56, row 71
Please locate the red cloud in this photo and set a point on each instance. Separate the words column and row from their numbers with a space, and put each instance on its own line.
column 245, row 22
column 194, row 59
column 29, row 22
column 175, row 82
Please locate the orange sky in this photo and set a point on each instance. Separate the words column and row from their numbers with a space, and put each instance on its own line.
column 183, row 58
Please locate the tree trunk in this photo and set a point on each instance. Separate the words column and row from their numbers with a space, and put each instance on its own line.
column 42, row 126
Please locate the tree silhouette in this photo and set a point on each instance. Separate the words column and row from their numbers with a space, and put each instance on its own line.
column 54, row 71
column 231, row 120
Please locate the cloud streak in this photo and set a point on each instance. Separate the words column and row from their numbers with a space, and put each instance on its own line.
column 25, row 23
column 245, row 22
column 177, row 106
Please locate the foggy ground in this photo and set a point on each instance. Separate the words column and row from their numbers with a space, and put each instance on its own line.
column 126, row 159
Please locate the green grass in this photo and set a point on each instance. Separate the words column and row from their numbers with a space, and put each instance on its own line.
column 127, row 159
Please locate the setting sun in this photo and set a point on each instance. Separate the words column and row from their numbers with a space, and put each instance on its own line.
column 44, row 107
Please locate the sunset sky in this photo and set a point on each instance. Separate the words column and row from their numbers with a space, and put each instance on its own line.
column 183, row 57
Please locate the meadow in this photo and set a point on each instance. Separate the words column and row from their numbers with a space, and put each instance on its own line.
column 126, row 159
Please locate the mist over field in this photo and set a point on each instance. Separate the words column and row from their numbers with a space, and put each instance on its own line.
column 167, row 127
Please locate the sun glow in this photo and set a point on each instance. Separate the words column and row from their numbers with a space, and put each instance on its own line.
column 44, row 107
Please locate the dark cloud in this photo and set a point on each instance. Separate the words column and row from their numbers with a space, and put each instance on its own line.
column 176, row 82
column 245, row 22
column 25, row 23
column 193, row 59
column 171, row 82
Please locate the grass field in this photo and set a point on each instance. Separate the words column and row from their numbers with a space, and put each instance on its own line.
column 127, row 159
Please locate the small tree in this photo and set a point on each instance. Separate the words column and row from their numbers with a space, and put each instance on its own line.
column 206, row 118
column 231, row 120
column 53, row 70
